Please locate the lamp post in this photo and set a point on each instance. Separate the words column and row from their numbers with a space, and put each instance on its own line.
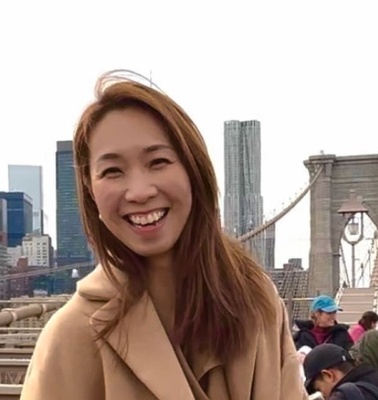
column 351, row 209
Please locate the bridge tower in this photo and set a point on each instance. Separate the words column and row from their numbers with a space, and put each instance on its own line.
column 339, row 176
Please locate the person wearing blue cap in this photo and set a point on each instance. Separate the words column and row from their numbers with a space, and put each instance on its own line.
column 322, row 327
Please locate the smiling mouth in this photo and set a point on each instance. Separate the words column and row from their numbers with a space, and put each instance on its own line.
column 143, row 220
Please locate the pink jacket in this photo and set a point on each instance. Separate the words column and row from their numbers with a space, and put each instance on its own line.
column 356, row 332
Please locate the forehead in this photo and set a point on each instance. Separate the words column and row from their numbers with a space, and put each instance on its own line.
column 326, row 313
column 126, row 130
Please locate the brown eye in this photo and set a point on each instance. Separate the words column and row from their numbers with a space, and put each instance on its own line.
column 160, row 162
column 113, row 171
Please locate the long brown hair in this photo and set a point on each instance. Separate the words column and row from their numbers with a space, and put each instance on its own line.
column 221, row 294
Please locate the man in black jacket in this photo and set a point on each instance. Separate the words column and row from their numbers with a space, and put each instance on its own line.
column 331, row 370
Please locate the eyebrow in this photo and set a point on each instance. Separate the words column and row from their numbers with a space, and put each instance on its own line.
column 146, row 150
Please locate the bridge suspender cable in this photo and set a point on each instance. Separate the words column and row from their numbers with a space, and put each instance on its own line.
column 276, row 218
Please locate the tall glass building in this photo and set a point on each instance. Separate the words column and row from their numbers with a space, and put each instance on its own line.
column 3, row 232
column 19, row 216
column 28, row 179
column 72, row 245
column 243, row 201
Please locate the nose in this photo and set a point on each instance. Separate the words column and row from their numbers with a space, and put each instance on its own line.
column 140, row 189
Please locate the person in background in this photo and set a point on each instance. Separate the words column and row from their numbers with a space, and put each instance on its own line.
column 366, row 349
column 176, row 310
column 322, row 327
column 368, row 321
column 331, row 370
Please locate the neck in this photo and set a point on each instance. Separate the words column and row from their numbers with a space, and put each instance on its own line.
column 160, row 273
column 160, row 262
column 160, row 278
column 321, row 327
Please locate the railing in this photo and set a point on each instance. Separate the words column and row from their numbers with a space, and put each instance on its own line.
column 44, row 271
column 339, row 294
column 10, row 392
column 375, row 300
column 16, row 353
column 61, row 298
column 10, row 315
column 12, row 371
column 289, row 302
column 19, row 339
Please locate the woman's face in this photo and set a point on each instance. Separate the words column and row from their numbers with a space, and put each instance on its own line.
column 325, row 320
column 139, row 184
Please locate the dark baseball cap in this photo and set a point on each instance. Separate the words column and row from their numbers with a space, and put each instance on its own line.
column 324, row 356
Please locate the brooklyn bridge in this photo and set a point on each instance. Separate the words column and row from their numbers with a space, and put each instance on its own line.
column 343, row 205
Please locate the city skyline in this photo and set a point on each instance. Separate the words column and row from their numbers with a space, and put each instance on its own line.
column 311, row 88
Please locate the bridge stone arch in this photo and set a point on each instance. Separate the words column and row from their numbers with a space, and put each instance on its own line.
column 339, row 176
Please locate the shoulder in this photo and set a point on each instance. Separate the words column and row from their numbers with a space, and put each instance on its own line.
column 68, row 329
column 276, row 301
column 354, row 328
column 337, row 395
column 67, row 355
column 281, row 317
column 341, row 330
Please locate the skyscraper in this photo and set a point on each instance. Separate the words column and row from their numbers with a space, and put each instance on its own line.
column 270, row 247
column 19, row 216
column 72, row 245
column 3, row 232
column 4, row 285
column 243, row 202
column 28, row 179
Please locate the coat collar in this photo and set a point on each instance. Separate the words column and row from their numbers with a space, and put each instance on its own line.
column 141, row 341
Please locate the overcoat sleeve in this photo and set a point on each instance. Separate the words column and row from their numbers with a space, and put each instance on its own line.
column 65, row 364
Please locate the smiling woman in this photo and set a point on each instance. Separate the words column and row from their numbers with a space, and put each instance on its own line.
column 175, row 309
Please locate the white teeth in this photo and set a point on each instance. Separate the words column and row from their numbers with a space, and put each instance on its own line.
column 147, row 219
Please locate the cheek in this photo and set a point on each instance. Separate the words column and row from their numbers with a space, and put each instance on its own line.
column 107, row 197
column 177, row 183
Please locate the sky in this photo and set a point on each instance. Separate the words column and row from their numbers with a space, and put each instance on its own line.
column 307, row 70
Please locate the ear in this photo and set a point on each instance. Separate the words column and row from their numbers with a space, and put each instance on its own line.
column 327, row 375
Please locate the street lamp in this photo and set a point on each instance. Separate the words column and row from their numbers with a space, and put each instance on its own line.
column 351, row 209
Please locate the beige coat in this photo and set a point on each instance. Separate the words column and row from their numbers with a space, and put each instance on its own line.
column 68, row 364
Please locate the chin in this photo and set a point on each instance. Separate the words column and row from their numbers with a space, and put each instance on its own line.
column 150, row 251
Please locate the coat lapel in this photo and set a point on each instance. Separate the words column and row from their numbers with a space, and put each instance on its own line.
column 142, row 343
column 240, row 371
